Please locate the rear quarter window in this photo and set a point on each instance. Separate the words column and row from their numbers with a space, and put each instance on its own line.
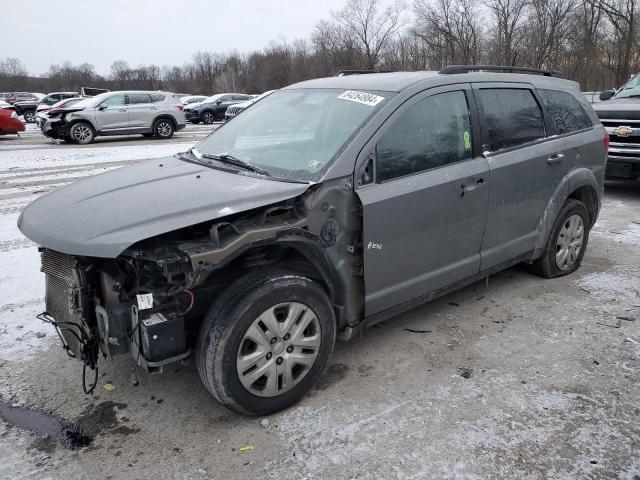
column 157, row 97
column 565, row 110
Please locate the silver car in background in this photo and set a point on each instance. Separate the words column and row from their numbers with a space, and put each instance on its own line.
column 157, row 114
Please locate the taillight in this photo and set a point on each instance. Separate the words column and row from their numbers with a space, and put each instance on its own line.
column 180, row 107
column 606, row 141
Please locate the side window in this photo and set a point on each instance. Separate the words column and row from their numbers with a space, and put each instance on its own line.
column 566, row 112
column 512, row 117
column 138, row 98
column 114, row 101
column 51, row 99
column 157, row 97
column 433, row 132
column 225, row 98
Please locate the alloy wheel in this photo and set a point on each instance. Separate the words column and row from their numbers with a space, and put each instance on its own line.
column 278, row 349
column 81, row 133
column 163, row 129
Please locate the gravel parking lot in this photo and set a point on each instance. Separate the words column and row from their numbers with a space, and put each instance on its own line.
column 517, row 377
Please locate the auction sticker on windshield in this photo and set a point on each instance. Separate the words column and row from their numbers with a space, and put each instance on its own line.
column 361, row 97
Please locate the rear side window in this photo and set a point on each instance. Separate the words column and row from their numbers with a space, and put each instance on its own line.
column 512, row 116
column 137, row 98
column 240, row 97
column 565, row 110
column 157, row 97
column 433, row 132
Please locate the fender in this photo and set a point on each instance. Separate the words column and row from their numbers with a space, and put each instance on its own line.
column 571, row 182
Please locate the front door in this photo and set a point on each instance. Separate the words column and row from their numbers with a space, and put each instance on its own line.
column 424, row 210
column 112, row 114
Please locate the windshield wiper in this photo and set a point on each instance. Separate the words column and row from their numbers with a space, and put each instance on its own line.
column 231, row 160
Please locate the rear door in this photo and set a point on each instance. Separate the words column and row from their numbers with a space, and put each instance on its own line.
column 112, row 115
column 525, row 168
column 141, row 110
column 425, row 207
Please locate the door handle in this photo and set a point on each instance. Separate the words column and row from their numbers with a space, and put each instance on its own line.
column 470, row 187
column 153, row 108
column 122, row 110
column 557, row 158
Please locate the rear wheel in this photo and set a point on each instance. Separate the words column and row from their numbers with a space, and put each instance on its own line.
column 30, row 117
column 81, row 133
column 163, row 128
column 265, row 342
column 567, row 242
column 208, row 118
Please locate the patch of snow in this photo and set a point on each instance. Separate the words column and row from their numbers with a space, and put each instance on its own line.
column 612, row 283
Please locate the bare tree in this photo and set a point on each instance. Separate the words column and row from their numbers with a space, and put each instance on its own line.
column 451, row 29
column 622, row 46
column 373, row 29
column 508, row 16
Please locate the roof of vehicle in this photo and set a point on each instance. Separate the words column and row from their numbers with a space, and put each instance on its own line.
column 66, row 93
column 399, row 81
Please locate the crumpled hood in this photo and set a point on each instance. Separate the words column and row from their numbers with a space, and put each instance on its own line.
column 105, row 214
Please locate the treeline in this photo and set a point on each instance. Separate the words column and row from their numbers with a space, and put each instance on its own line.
column 593, row 41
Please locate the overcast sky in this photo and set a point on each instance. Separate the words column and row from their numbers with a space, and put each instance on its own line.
column 162, row 32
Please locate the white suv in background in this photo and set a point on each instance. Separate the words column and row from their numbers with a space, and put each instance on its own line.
column 157, row 114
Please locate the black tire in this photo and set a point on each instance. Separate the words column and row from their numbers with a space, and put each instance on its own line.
column 546, row 266
column 208, row 117
column 147, row 135
column 163, row 128
column 82, row 133
column 30, row 116
column 229, row 318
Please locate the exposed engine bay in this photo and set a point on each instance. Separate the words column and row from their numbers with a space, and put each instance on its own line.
column 150, row 300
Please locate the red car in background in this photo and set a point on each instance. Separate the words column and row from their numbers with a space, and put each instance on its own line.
column 9, row 122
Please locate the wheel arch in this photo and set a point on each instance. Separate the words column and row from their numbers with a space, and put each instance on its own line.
column 580, row 184
column 292, row 253
column 164, row 116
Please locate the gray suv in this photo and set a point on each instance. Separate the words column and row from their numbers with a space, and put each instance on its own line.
column 330, row 205
column 157, row 114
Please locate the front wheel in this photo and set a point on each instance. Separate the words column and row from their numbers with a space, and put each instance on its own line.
column 265, row 342
column 567, row 242
column 81, row 133
column 30, row 117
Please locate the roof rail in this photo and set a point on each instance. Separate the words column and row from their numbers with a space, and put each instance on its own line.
column 343, row 73
column 452, row 69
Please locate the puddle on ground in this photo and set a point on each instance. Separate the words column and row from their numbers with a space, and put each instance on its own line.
column 70, row 434
column 43, row 424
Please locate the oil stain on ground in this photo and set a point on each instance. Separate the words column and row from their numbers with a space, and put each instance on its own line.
column 72, row 435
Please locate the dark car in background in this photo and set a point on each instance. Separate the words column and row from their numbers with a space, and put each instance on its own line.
column 213, row 108
column 28, row 109
column 234, row 110
column 619, row 112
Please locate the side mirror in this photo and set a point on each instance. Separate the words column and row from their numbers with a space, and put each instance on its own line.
column 218, row 102
column 102, row 107
column 606, row 94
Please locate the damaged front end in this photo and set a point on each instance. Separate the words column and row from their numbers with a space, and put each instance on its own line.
column 150, row 300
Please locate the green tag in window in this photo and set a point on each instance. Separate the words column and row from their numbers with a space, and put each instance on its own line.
column 467, row 140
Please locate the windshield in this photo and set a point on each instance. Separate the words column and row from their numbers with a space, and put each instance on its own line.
column 630, row 89
column 295, row 134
